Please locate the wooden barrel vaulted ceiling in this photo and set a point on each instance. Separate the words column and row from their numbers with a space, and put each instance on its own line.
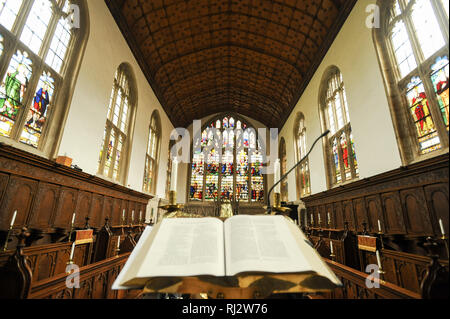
column 254, row 57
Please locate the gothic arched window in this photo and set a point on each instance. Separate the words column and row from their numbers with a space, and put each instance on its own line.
column 152, row 155
column 303, row 175
column 340, row 153
column 169, row 167
column 238, row 173
column 283, row 162
column 116, row 145
column 413, row 45
column 41, row 43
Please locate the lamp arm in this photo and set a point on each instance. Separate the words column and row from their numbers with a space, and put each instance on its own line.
column 295, row 166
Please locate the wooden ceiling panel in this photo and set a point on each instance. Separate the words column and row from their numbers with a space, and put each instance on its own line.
column 254, row 57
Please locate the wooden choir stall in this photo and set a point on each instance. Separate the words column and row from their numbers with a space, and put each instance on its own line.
column 45, row 210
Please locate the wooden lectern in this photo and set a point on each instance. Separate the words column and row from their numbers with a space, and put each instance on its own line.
column 246, row 286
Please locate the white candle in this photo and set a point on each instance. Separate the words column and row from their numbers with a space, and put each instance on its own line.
column 331, row 248
column 13, row 218
column 73, row 219
column 72, row 251
column 441, row 224
column 379, row 226
column 319, row 220
column 132, row 216
column 379, row 259
column 329, row 218
column 174, row 176
column 123, row 215
column 118, row 242
column 140, row 216
column 276, row 177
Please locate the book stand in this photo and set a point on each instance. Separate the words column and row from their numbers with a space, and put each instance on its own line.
column 244, row 286
column 252, row 286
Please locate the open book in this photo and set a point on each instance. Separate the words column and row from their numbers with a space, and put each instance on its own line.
column 188, row 247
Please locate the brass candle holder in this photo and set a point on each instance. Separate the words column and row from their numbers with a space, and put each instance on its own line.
column 5, row 247
column 444, row 238
column 173, row 209
column 276, row 208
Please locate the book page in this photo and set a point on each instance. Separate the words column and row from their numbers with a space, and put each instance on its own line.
column 262, row 244
column 186, row 247
column 133, row 263
column 316, row 261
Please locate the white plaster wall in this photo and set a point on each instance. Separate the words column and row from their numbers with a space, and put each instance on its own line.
column 353, row 52
column 82, row 138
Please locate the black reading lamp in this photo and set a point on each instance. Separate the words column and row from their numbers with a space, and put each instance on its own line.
column 277, row 205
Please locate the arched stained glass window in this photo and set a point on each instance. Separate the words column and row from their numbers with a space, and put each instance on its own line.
column 340, row 149
column 152, row 155
column 227, row 169
column 37, row 43
column 303, row 175
column 169, row 167
column 113, row 159
column 414, row 43
column 283, row 162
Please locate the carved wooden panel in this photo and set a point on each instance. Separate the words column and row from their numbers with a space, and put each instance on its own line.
column 374, row 213
column 19, row 196
column 393, row 213
column 116, row 218
column 45, row 267
column 126, row 207
column 314, row 219
column 100, row 286
column 108, row 208
column 322, row 216
column 360, row 214
column 330, row 216
column 82, row 208
column 437, row 199
column 97, row 211
column 66, row 207
column 44, row 206
column 339, row 215
column 132, row 217
column 61, row 261
column 3, row 182
column 408, row 276
column 417, row 216
column 348, row 215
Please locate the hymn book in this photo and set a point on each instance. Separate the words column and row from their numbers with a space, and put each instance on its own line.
column 243, row 244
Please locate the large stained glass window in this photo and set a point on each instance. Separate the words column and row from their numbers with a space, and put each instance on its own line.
column 340, row 148
column 35, row 31
column 114, row 150
column 302, row 173
column 227, row 163
column 417, row 35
